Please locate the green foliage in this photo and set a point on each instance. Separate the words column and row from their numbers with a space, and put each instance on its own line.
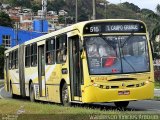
column 158, row 9
column 125, row 10
column 26, row 3
column 146, row 11
column 131, row 6
column 56, row 5
column 5, row 20
column 35, row 7
column 61, row 19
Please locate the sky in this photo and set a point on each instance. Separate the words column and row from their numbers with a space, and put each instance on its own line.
column 149, row 4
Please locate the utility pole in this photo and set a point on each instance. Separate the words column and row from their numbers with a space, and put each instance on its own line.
column 44, row 9
column 16, row 32
column 106, row 10
column 94, row 9
column 76, row 11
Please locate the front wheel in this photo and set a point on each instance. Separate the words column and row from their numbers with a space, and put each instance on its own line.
column 65, row 95
column 31, row 93
column 121, row 104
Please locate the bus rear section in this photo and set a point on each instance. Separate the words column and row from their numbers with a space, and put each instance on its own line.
column 117, row 63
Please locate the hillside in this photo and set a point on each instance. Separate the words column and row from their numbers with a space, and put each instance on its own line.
column 104, row 9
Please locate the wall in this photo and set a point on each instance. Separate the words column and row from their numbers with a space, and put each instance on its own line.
column 22, row 35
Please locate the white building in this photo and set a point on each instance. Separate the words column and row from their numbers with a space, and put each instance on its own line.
column 62, row 13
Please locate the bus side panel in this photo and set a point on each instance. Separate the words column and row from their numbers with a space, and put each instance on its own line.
column 31, row 74
column 53, row 78
column 14, row 79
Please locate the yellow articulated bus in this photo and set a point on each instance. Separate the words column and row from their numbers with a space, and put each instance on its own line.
column 94, row 61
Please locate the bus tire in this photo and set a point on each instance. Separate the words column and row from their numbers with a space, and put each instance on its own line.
column 65, row 95
column 11, row 91
column 121, row 104
column 31, row 93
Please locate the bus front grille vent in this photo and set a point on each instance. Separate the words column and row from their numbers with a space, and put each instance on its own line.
column 130, row 86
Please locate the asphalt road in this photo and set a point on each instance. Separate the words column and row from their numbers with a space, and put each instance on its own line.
column 144, row 105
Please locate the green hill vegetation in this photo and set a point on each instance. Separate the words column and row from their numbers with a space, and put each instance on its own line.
column 110, row 11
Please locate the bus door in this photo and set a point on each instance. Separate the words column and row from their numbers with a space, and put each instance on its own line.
column 41, row 70
column 6, row 70
column 75, row 67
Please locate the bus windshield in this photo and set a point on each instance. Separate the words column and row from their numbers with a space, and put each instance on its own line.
column 117, row 54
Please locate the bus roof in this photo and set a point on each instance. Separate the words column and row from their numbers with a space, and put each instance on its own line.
column 78, row 26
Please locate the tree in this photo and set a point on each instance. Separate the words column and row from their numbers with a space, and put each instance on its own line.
column 156, row 29
column 131, row 6
column 146, row 11
column 5, row 20
column 158, row 9
column 35, row 7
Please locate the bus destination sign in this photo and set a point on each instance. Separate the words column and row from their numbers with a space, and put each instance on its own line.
column 115, row 27
column 110, row 28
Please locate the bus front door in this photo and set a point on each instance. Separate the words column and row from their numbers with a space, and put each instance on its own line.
column 41, row 70
column 75, row 64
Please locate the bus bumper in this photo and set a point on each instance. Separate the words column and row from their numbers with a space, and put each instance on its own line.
column 94, row 94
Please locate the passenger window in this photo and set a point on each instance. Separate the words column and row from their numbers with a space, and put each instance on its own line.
column 10, row 58
column 27, row 56
column 61, row 48
column 16, row 59
column 34, row 54
column 50, row 51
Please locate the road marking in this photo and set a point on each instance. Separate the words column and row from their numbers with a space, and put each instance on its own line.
column 0, row 91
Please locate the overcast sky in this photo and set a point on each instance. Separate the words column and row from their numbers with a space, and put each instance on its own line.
column 149, row 4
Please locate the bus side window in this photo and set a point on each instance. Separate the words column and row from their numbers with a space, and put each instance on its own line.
column 61, row 48
column 27, row 56
column 10, row 57
column 16, row 59
column 50, row 50
column 13, row 60
column 34, row 54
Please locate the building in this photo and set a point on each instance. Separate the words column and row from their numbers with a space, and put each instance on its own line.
column 10, row 37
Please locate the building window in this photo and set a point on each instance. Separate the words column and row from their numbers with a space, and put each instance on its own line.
column 34, row 54
column 27, row 56
column 6, row 40
column 50, row 51
column 61, row 48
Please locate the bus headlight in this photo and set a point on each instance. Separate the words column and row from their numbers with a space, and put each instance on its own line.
column 147, row 82
column 96, row 85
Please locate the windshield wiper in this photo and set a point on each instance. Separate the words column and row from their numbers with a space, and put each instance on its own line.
column 128, row 63
column 127, row 40
column 106, row 41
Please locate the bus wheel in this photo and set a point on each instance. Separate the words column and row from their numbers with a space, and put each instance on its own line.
column 31, row 93
column 65, row 95
column 11, row 91
column 121, row 104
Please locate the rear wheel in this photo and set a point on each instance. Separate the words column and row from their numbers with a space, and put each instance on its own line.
column 121, row 104
column 31, row 93
column 65, row 95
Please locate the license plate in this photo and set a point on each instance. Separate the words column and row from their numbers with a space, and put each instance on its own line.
column 126, row 92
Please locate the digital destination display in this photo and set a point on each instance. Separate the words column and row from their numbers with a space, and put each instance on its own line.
column 114, row 27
